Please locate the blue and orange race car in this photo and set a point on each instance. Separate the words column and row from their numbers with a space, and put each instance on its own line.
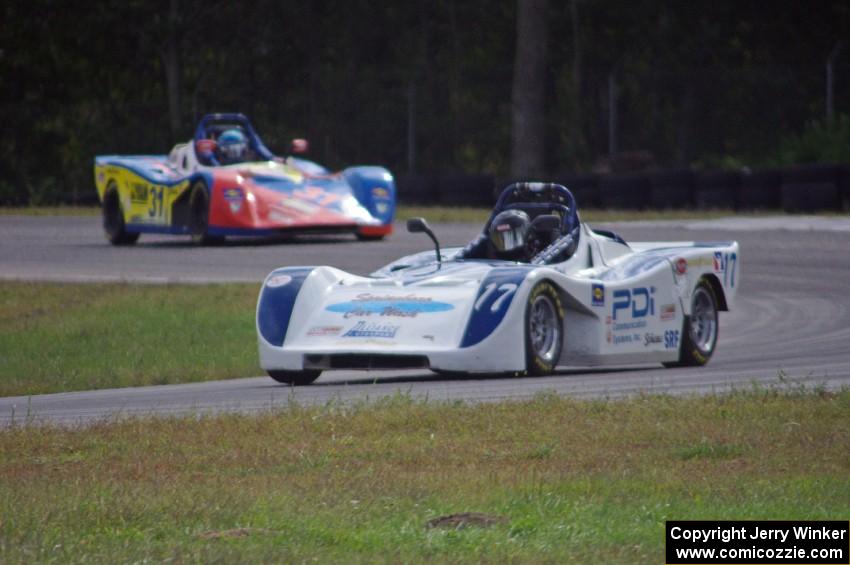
column 225, row 182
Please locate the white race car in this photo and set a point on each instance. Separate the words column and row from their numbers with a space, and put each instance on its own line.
column 536, row 290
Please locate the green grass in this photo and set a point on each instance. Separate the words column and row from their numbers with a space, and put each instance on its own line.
column 62, row 337
column 577, row 481
column 50, row 211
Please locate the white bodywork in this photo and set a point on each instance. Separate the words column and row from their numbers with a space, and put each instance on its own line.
column 638, row 316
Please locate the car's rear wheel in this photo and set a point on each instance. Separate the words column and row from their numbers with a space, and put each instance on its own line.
column 113, row 218
column 544, row 318
column 199, row 216
column 699, row 333
column 297, row 378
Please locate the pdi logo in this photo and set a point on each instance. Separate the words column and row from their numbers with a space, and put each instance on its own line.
column 641, row 301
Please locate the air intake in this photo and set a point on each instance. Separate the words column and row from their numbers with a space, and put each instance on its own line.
column 365, row 361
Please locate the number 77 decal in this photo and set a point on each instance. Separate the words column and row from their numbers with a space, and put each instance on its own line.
column 506, row 289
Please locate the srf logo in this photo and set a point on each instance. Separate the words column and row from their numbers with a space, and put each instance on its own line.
column 640, row 301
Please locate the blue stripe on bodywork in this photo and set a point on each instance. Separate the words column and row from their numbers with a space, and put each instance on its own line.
column 145, row 228
column 277, row 303
column 500, row 285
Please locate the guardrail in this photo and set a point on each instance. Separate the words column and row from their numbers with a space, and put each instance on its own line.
column 799, row 188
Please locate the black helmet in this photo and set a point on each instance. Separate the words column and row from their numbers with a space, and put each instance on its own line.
column 509, row 231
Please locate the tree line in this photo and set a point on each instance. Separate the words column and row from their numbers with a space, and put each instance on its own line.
column 424, row 86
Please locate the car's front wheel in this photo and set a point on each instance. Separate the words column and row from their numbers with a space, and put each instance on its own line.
column 296, row 378
column 699, row 334
column 544, row 318
column 199, row 216
column 113, row 218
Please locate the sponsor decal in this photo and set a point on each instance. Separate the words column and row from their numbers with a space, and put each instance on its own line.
column 628, row 338
column 139, row 192
column 726, row 263
column 718, row 262
column 629, row 325
column 317, row 195
column 382, row 207
column 639, row 302
column 324, row 331
column 234, row 197
column 681, row 266
column 702, row 262
column 101, row 177
column 428, row 337
column 380, row 192
column 667, row 311
column 597, row 293
column 407, row 306
column 278, row 280
column 671, row 339
column 651, row 339
column 299, row 205
column 372, row 329
column 277, row 216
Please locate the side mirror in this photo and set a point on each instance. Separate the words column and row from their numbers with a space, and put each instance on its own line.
column 419, row 225
column 299, row 146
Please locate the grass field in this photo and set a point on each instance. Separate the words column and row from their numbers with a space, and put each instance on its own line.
column 61, row 337
column 576, row 481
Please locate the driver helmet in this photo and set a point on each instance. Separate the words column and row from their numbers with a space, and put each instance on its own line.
column 509, row 232
column 232, row 145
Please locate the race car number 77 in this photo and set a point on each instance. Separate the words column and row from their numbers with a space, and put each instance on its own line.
column 506, row 289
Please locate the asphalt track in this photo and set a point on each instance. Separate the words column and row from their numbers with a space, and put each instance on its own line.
column 790, row 327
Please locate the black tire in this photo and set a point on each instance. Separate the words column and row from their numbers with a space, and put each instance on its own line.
column 544, row 329
column 295, row 378
column 113, row 219
column 700, row 329
column 199, row 216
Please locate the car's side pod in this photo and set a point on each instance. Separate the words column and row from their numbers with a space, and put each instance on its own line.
column 374, row 188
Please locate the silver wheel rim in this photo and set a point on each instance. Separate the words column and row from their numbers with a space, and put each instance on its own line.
column 703, row 320
column 543, row 328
